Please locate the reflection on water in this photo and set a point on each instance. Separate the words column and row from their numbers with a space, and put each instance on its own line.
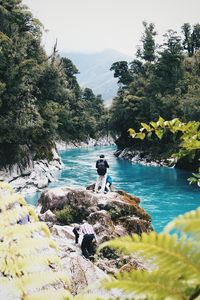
column 164, row 192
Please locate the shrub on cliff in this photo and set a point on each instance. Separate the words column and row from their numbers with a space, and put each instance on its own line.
column 66, row 215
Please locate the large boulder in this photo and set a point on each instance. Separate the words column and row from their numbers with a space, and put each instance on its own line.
column 48, row 217
column 110, row 213
column 78, row 199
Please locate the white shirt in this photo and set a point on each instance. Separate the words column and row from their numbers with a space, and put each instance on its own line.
column 87, row 229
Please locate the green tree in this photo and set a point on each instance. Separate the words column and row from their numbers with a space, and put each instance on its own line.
column 21, row 63
column 121, row 71
column 70, row 71
column 191, row 41
column 41, row 100
column 188, row 42
column 168, row 70
column 147, row 51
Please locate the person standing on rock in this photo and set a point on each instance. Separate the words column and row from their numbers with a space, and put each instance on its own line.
column 101, row 166
column 88, row 236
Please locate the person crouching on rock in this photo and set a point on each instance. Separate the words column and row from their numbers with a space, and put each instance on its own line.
column 88, row 237
column 109, row 186
column 101, row 165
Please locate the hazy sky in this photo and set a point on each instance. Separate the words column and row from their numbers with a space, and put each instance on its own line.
column 95, row 25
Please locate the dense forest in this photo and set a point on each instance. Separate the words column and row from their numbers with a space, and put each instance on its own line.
column 163, row 80
column 40, row 99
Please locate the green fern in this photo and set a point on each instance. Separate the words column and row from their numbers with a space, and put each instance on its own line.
column 51, row 294
column 27, row 253
column 18, row 232
column 89, row 297
column 165, row 251
column 156, row 286
column 176, row 261
column 188, row 224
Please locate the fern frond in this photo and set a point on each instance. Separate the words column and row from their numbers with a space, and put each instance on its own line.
column 35, row 281
column 188, row 223
column 32, row 263
column 33, row 214
column 11, row 217
column 147, row 285
column 11, row 257
column 60, row 294
column 10, row 200
column 90, row 297
column 36, row 243
column 18, row 231
column 9, row 291
column 31, row 283
column 165, row 250
column 17, row 266
column 26, row 246
column 27, row 253
column 6, row 188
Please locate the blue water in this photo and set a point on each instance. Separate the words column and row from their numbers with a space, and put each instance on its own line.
column 164, row 192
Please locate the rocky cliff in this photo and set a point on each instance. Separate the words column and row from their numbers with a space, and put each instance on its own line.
column 33, row 175
column 112, row 215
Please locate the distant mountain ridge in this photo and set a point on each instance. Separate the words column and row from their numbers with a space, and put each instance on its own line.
column 95, row 71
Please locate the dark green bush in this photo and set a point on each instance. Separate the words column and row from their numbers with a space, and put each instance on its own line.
column 66, row 215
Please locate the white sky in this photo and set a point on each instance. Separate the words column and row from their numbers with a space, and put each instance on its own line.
column 95, row 25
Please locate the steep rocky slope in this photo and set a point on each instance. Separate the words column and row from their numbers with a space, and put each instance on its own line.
column 112, row 215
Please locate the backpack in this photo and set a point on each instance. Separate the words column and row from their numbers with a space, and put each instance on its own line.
column 101, row 168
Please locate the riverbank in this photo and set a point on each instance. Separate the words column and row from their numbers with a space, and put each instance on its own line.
column 34, row 176
column 102, row 141
column 144, row 158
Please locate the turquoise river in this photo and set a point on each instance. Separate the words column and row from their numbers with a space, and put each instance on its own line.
column 164, row 192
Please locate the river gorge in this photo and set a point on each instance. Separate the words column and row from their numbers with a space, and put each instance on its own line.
column 164, row 192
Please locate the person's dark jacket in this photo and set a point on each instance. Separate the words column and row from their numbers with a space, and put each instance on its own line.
column 106, row 165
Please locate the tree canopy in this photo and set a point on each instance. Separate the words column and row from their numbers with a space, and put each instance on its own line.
column 163, row 80
column 40, row 99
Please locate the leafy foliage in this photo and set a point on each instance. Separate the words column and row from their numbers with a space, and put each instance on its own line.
column 175, row 260
column 66, row 215
column 147, row 52
column 162, row 81
column 189, row 135
column 41, row 101
column 23, row 272
column 186, row 223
